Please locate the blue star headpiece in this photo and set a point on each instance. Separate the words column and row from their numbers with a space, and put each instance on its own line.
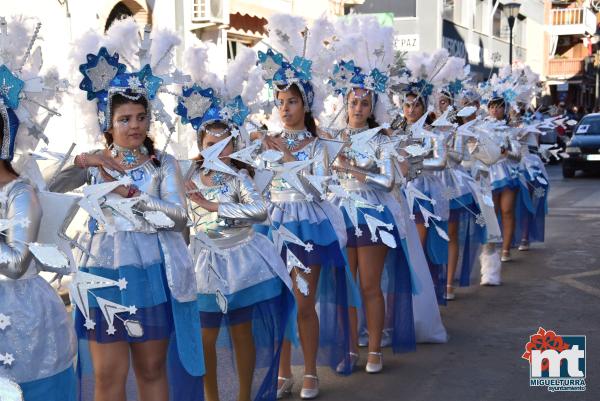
column 104, row 77
column 346, row 76
column 198, row 106
column 10, row 90
column 280, row 74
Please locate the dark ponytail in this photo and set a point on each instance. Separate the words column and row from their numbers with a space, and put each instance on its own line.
column 118, row 100
column 310, row 124
column 7, row 165
column 371, row 122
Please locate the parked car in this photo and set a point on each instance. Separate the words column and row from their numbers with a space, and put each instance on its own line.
column 583, row 149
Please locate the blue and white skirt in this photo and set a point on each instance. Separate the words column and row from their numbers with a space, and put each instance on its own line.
column 37, row 332
column 137, row 262
column 436, row 246
column 531, row 206
column 321, row 227
column 255, row 282
column 398, row 280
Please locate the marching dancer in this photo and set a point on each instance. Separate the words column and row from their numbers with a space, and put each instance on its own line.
column 465, row 230
column 309, row 231
column 37, row 340
column 244, row 289
column 135, row 291
column 366, row 172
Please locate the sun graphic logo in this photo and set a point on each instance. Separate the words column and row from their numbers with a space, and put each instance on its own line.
column 556, row 362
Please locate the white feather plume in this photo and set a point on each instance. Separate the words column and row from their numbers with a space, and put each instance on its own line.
column 161, row 50
column 123, row 37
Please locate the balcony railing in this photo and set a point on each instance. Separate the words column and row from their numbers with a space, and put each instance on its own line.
column 572, row 21
column 565, row 68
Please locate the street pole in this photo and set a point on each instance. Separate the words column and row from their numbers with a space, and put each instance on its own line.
column 597, row 71
column 511, row 25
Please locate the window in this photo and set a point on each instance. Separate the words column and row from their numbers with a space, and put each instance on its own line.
column 400, row 8
column 456, row 11
column 234, row 43
column 479, row 15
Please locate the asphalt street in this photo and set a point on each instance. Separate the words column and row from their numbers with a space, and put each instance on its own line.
column 556, row 285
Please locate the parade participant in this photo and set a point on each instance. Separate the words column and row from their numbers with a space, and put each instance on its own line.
column 483, row 152
column 309, row 231
column 464, row 234
column 244, row 289
column 430, row 208
column 37, row 341
column 135, row 291
column 365, row 170
column 500, row 94
column 532, row 200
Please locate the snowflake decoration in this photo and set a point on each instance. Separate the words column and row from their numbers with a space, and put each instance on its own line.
column 89, row 324
column 134, row 83
column 4, row 321
column 310, row 197
column 7, row 359
column 539, row 192
column 302, row 156
column 380, row 209
column 308, row 247
column 369, row 82
column 122, row 283
column 289, row 74
column 358, row 232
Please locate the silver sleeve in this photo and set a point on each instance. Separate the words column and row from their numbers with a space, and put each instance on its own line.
column 172, row 201
column 457, row 152
column 69, row 179
column 386, row 178
column 251, row 205
column 319, row 166
column 439, row 158
column 14, row 254
column 514, row 150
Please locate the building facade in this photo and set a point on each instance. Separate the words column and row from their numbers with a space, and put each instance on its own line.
column 476, row 30
column 571, row 44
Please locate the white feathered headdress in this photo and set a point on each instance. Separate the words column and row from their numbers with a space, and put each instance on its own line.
column 216, row 95
column 426, row 73
column 147, row 70
column 515, row 85
column 365, row 53
column 27, row 94
column 299, row 54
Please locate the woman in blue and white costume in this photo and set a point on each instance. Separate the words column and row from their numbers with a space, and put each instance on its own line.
column 363, row 191
column 135, row 291
column 532, row 201
column 430, row 208
column 483, row 151
column 465, row 231
column 244, row 289
column 500, row 93
column 37, row 340
column 309, row 231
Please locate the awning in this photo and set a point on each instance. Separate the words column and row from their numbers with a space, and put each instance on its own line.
column 247, row 25
column 260, row 9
